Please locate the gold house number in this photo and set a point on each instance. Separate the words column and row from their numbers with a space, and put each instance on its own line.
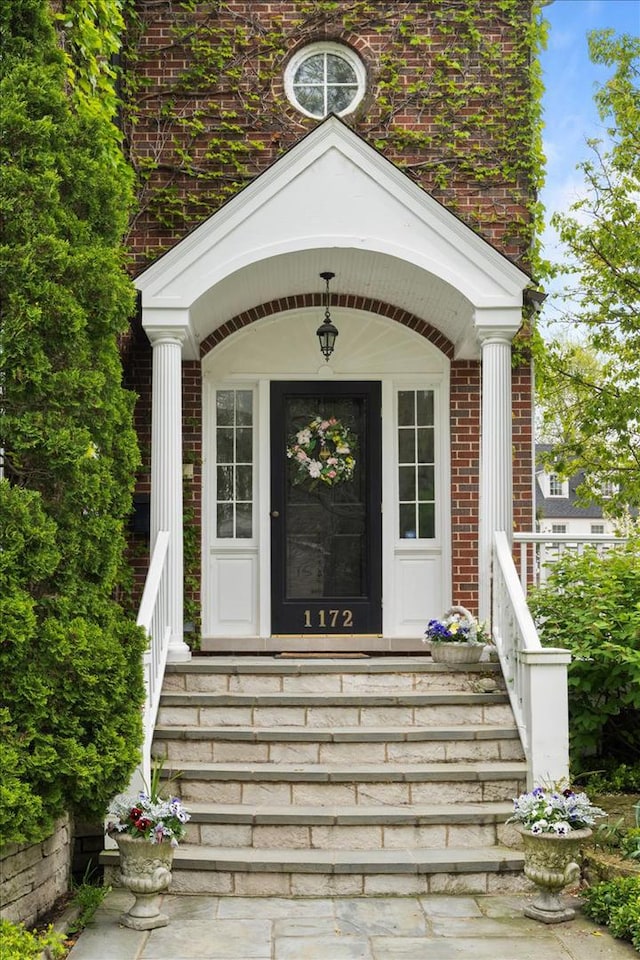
column 330, row 618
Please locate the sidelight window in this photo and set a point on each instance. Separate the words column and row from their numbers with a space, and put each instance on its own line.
column 416, row 464
column 234, row 458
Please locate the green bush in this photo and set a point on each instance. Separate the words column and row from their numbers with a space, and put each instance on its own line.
column 70, row 657
column 590, row 605
column 612, row 777
column 602, row 898
column 630, row 844
column 616, row 903
column 625, row 922
column 18, row 943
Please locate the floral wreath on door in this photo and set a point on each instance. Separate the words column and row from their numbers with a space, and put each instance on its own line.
column 322, row 452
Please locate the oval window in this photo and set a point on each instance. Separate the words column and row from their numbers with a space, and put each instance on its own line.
column 325, row 78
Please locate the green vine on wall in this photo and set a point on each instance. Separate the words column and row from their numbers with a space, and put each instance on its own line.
column 462, row 117
column 91, row 36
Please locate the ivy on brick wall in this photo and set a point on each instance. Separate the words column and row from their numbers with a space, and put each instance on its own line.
column 70, row 658
column 453, row 99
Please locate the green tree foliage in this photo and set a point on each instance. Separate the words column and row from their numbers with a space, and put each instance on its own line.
column 69, row 656
column 590, row 604
column 601, row 428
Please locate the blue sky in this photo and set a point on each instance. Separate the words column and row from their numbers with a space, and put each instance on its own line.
column 570, row 79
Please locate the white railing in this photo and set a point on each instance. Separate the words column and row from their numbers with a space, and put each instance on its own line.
column 536, row 676
column 537, row 552
column 153, row 617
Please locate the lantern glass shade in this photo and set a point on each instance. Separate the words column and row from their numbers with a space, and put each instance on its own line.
column 327, row 334
column 327, row 331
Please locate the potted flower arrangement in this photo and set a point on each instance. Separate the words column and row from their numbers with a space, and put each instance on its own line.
column 147, row 829
column 457, row 638
column 553, row 824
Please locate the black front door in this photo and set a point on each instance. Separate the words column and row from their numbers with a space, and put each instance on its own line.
column 326, row 524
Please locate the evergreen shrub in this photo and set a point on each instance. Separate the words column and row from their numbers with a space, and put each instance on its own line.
column 70, row 656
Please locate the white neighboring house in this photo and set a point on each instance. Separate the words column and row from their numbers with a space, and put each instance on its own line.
column 557, row 508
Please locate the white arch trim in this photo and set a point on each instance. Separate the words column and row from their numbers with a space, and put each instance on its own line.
column 331, row 191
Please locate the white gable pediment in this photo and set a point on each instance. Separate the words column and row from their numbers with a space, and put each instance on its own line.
column 332, row 202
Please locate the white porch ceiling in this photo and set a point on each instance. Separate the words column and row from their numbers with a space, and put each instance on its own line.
column 358, row 272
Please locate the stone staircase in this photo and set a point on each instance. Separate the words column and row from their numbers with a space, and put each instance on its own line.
column 317, row 777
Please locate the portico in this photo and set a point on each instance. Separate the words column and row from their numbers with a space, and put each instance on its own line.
column 425, row 308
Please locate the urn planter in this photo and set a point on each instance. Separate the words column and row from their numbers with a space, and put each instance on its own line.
column 145, row 870
column 445, row 652
column 551, row 862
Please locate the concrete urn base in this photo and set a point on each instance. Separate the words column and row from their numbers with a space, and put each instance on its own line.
column 145, row 870
column 550, row 861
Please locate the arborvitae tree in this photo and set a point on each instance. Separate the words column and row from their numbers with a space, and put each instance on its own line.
column 70, row 657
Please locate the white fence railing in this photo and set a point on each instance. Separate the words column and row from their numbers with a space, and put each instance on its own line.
column 153, row 616
column 537, row 552
column 536, row 676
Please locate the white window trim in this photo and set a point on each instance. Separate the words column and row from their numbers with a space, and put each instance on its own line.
column 210, row 525
column 312, row 49
column 402, row 542
column 564, row 485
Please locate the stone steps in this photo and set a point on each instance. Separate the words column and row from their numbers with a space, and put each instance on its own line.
column 371, row 784
column 264, row 675
column 338, row 745
column 311, row 777
column 417, row 814
column 357, row 827
column 333, row 710
column 310, row 873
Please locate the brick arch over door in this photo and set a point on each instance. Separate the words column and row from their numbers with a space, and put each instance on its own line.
column 299, row 301
column 464, row 419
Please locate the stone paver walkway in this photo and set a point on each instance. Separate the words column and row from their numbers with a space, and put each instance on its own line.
column 342, row 928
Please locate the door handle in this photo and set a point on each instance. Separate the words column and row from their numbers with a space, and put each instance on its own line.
column 275, row 514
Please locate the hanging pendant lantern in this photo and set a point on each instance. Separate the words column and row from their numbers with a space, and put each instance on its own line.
column 327, row 331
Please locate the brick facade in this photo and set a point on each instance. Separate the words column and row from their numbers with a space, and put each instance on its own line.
column 495, row 206
column 240, row 100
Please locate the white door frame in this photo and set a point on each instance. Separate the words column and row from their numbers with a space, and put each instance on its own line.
column 246, row 563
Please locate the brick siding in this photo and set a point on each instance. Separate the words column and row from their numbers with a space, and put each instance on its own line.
column 496, row 209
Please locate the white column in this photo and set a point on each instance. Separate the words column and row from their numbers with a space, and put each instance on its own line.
column 496, row 470
column 166, row 475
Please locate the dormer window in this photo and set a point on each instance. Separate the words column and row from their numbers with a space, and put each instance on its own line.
column 553, row 485
column 556, row 486
column 325, row 78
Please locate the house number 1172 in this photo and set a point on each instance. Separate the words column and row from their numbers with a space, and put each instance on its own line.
column 329, row 618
